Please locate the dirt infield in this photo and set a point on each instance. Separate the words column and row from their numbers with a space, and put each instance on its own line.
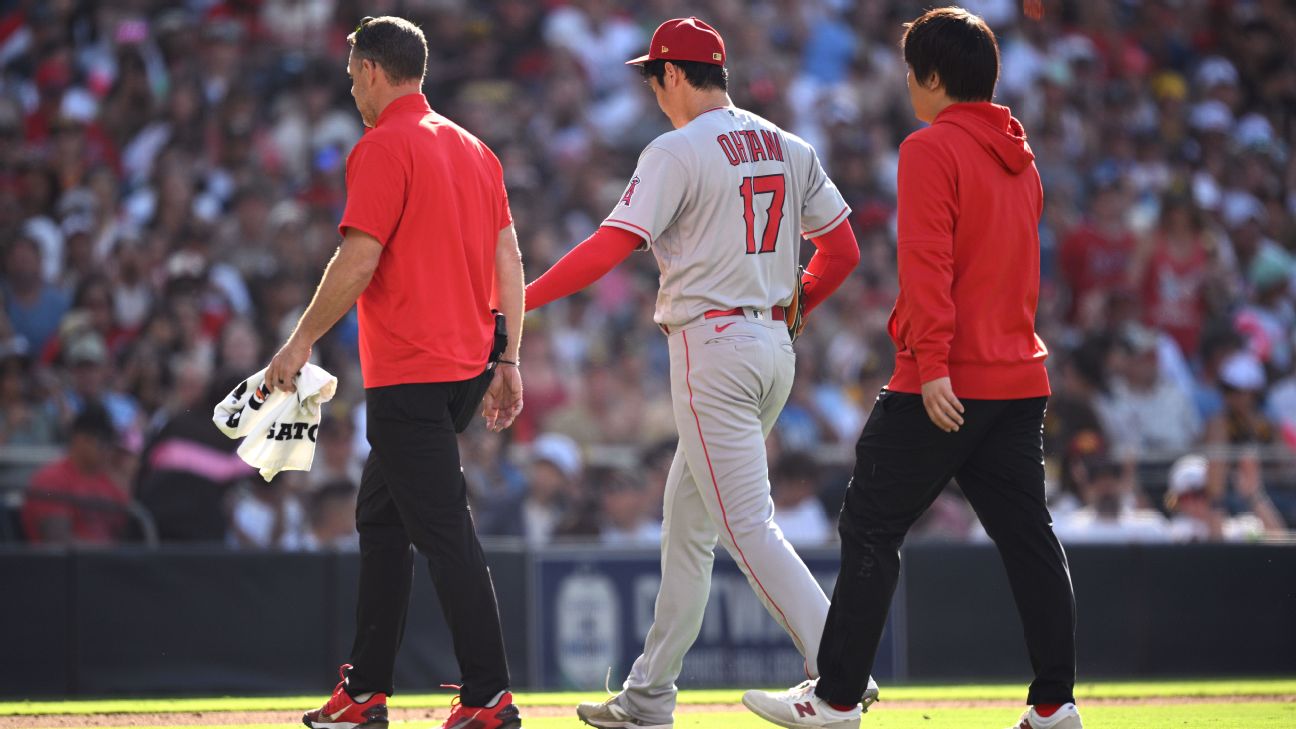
column 208, row 718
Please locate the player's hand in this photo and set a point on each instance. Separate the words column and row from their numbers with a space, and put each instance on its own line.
column 286, row 365
column 503, row 400
column 943, row 408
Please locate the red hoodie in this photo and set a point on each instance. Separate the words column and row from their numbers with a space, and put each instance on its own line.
column 968, row 246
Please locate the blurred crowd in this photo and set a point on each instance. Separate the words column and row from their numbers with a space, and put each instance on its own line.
column 171, row 177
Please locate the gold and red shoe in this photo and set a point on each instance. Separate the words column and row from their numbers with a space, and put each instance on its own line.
column 343, row 712
column 501, row 714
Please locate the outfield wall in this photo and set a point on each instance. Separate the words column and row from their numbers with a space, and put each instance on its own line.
column 197, row 621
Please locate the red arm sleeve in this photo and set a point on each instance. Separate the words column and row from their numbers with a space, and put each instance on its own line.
column 836, row 255
column 927, row 207
column 582, row 266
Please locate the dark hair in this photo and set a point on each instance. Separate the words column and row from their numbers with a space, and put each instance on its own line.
column 1176, row 200
column 618, row 479
column 333, row 491
column 1088, row 360
column 957, row 46
column 89, row 284
column 94, row 421
column 699, row 75
column 395, row 44
column 1219, row 337
column 795, row 465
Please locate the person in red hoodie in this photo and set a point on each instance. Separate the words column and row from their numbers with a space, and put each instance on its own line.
column 968, row 393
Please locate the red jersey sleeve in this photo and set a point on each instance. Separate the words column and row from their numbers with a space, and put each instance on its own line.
column 927, row 208
column 836, row 255
column 583, row 265
column 376, row 190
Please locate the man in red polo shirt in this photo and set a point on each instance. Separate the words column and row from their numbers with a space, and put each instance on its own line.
column 968, row 393
column 428, row 247
column 73, row 500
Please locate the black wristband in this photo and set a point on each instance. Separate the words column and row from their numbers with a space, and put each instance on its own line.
column 506, row 362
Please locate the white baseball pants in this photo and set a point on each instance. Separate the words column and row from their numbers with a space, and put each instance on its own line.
column 730, row 377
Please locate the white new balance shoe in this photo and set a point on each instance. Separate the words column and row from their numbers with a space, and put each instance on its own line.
column 1066, row 717
column 610, row 715
column 799, row 708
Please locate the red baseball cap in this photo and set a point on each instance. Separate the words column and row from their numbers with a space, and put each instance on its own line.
column 684, row 39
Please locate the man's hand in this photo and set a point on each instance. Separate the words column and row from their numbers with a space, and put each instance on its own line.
column 503, row 400
column 943, row 408
column 286, row 365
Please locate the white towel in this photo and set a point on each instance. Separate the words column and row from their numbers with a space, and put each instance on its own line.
column 279, row 428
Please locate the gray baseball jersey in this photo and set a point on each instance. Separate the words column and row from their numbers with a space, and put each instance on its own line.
column 723, row 203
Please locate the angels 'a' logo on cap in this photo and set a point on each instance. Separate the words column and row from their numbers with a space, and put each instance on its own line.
column 625, row 199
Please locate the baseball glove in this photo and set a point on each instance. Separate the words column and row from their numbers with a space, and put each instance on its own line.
column 796, row 309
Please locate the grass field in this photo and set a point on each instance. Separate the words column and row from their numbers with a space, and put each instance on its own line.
column 1214, row 704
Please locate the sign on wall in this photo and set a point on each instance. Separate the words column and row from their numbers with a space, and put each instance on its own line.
column 595, row 608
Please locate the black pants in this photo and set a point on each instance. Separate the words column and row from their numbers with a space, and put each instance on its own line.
column 413, row 492
column 903, row 461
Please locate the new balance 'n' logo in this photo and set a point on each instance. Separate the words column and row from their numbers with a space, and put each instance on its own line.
column 805, row 709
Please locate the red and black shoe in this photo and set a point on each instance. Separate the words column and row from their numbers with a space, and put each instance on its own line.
column 501, row 714
column 343, row 712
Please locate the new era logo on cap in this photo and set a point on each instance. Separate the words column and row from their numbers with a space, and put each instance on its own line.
column 684, row 39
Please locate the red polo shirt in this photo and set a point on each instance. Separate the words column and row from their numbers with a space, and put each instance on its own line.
column 93, row 519
column 433, row 195
column 969, row 204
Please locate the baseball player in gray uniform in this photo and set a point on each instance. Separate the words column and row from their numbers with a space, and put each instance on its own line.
column 722, row 202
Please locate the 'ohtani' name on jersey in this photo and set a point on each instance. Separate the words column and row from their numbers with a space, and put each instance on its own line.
column 749, row 145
